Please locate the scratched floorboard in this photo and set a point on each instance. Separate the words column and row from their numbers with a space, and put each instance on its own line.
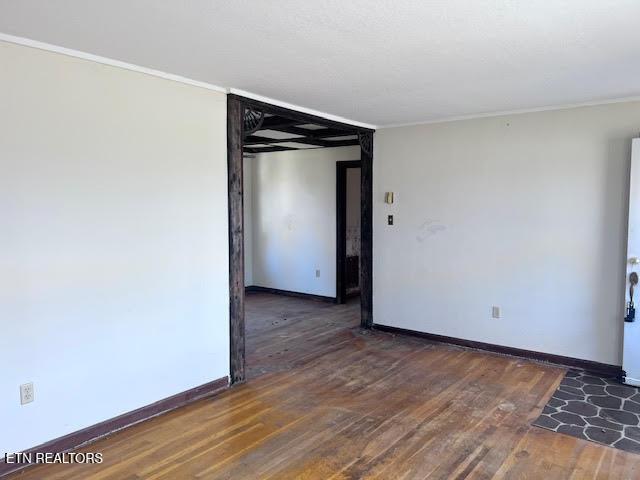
column 328, row 401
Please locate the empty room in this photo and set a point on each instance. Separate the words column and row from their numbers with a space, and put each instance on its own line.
column 319, row 240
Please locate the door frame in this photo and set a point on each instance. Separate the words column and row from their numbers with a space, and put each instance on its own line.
column 631, row 326
column 236, row 106
column 341, row 226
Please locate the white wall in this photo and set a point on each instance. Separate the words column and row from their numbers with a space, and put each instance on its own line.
column 526, row 212
column 294, row 219
column 247, row 194
column 114, row 245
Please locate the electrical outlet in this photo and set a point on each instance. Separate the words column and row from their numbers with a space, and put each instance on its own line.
column 317, row 273
column 27, row 394
column 495, row 312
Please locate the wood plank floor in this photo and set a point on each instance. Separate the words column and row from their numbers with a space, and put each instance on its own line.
column 328, row 401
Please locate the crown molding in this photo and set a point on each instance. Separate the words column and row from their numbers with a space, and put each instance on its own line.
column 216, row 88
column 27, row 42
column 503, row 113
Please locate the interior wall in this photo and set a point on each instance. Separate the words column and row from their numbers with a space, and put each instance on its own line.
column 247, row 197
column 294, row 219
column 525, row 212
column 114, row 244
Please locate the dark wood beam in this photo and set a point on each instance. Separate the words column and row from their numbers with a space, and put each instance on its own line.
column 296, row 116
column 275, row 122
column 317, row 133
column 275, row 148
column 258, row 140
column 341, row 143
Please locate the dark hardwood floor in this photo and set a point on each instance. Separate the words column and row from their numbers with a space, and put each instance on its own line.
column 286, row 332
column 326, row 400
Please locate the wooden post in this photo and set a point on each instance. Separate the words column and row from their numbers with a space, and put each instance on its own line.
column 366, row 229
column 341, row 228
column 235, row 114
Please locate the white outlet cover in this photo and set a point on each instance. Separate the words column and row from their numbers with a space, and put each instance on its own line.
column 27, row 394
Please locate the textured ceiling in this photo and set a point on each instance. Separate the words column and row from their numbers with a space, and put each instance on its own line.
column 377, row 61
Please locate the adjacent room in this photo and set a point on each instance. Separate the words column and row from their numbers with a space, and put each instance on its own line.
column 319, row 240
column 301, row 190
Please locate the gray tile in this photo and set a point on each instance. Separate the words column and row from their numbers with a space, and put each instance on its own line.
column 581, row 408
column 573, row 391
column 555, row 403
column 636, row 398
column 590, row 380
column 631, row 406
column 545, row 421
column 620, row 416
column 594, row 390
column 571, row 382
column 605, row 401
column 620, row 391
column 572, row 430
column 602, row 435
column 601, row 422
column 567, row 396
column 568, row 418
column 627, row 445
column 633, row 433
column 594, row 408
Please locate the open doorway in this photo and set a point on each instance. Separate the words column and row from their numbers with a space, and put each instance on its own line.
column 283, row 250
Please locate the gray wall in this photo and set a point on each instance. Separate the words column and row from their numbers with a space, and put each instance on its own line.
column 294, row 219
column 526, row 212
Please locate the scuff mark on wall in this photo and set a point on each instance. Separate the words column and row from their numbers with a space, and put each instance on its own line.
column 290, row 222
column 428, row 229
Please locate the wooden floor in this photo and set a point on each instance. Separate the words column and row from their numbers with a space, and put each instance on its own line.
column 335, row 402
column 286, row 332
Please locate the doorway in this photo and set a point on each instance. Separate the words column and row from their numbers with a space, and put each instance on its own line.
column 245, row 118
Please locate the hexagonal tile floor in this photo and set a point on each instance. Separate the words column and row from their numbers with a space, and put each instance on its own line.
column 594, row 408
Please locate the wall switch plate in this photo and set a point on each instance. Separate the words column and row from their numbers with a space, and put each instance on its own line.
column 317, row 273
column 390, row 220
column 27, row 394
column 495, row 312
